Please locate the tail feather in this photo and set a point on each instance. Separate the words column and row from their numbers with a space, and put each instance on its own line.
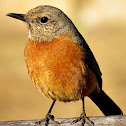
column 105, row 103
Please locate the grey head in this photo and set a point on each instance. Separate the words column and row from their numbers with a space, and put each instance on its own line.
column 46, row 23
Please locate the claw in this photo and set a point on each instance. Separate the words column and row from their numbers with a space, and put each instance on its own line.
column 76, row 120
column 47, row 119
column 38, row 122
column 84, row 120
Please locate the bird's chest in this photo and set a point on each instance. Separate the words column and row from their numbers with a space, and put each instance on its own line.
column 55, row 66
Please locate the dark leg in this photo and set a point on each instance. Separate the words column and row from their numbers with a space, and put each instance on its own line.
column 51, row 106
column 83, row 117
column 48, row 115
column 83, row 113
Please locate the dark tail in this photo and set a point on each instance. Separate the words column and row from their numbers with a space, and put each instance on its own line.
column 105, row 103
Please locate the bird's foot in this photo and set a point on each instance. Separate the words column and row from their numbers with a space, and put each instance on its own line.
column 84, row 120
column 46, row 120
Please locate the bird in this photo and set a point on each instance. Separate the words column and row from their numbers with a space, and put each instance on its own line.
column 60, row 63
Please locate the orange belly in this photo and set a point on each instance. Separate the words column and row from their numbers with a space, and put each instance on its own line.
column 57, row 69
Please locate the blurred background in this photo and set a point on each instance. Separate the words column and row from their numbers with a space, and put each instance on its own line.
column 103, row 25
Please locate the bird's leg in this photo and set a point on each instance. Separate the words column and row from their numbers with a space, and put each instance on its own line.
column 48, row 116
column 83, row 117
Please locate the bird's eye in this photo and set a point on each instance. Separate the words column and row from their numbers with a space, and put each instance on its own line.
column 44, row 19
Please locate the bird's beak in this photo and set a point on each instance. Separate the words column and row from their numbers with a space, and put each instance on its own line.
column 17, row 16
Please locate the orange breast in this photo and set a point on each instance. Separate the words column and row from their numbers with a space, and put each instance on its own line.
column 57, row 69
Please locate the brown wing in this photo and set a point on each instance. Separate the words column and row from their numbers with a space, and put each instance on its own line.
column 91, row 62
